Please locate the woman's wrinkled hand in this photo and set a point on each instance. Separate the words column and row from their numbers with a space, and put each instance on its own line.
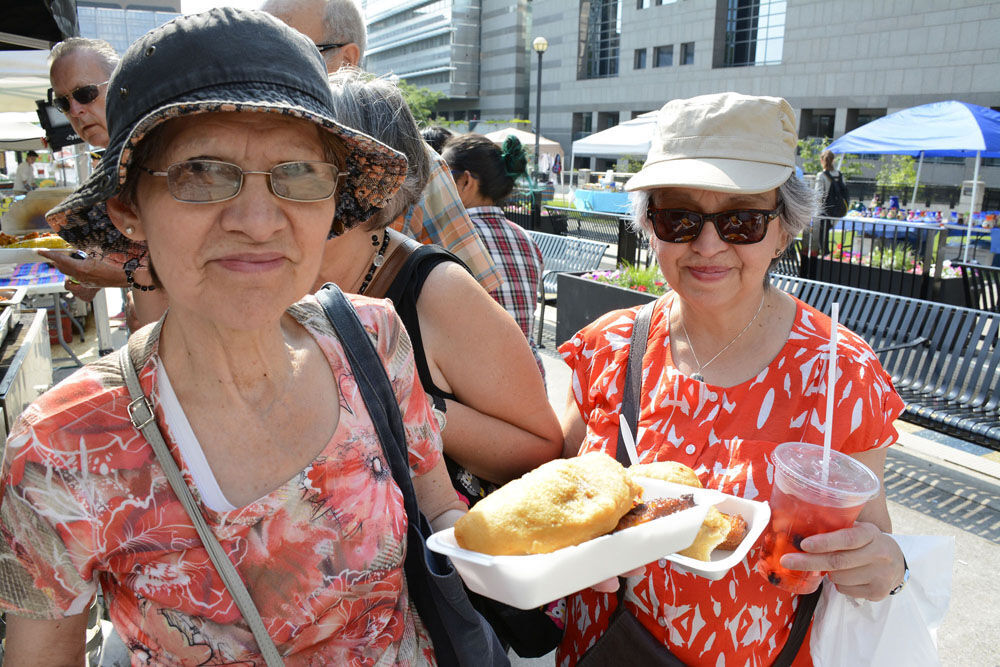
column 862, row 561
column 611, row 585
column 89, row 273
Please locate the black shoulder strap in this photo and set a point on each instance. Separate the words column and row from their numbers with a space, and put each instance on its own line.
column 374, row 385
column 800, row 627
column 376, row 390
column 633, row 377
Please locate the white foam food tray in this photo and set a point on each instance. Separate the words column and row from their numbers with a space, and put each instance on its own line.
column 529, row 581
column 757, row 515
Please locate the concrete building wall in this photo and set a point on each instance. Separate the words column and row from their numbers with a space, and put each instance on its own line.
column 842, row 55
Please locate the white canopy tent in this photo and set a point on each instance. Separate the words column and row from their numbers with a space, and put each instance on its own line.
column 20, row 131
column 629, row 138
column 545, row 146
column 24, row 78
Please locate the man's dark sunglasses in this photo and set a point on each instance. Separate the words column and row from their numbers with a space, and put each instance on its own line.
column 83, row 95
column 323, row 48
column 739, row 226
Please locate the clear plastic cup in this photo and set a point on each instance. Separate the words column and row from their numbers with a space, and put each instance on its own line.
column 803, row 504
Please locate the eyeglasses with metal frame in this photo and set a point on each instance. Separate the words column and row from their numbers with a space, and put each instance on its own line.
column 213, row 181
column 83, row 95
column 738, row 226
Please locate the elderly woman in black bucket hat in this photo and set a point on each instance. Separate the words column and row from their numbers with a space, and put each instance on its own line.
column 224, row 172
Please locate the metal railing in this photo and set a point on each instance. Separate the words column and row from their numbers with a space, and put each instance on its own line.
column 895, row 257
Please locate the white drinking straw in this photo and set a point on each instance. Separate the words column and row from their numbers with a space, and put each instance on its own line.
column 831, row 382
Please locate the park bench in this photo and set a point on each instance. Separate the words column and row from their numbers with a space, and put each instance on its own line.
column 562, row 254
column 944, row 360
column 981, row 284
column 605, row 227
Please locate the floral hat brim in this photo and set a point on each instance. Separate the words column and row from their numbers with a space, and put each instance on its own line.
column 374, row 172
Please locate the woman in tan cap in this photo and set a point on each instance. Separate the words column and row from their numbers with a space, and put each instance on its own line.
column 732, row 367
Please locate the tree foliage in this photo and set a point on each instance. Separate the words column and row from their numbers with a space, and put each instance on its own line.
column 810, row 149
column 896, row 171
column 420, row 100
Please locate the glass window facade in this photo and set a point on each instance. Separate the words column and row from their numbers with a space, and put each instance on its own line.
column 639, row 60
column 755, row 32
column 687, row 53
column 600, row 34
column 119, row 27
column 663, row 56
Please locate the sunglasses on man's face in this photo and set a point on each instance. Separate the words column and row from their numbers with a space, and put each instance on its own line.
column 738, row 227
column 211, row 181
column 330, row 46
column 83, row 95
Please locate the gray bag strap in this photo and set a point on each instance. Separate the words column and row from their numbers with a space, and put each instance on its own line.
column 141, row 414
column 629, row 410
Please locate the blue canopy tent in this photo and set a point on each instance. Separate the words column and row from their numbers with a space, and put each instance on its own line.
column 951, row 129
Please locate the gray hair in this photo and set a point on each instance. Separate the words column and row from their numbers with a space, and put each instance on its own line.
column 375, row 106
column 102, row 49
column 343, row 21
column 800, row 204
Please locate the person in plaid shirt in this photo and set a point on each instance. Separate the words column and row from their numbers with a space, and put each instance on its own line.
column 485, row 175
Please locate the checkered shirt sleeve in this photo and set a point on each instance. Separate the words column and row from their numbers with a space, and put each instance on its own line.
column 520, row 263
column 440, row 218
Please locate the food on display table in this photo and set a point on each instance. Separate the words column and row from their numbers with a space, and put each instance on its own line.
column 33, row 240
column 559, row 504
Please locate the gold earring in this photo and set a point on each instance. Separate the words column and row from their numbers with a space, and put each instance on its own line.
column 130, row 230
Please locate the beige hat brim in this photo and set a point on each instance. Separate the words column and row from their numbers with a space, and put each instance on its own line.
column 716, row 174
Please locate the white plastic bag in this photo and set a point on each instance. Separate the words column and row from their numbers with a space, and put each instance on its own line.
column 900, row 630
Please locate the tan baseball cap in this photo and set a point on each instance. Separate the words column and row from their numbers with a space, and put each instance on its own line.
column 726, row 142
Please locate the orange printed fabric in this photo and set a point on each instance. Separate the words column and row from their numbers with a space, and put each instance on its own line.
column 726, row 434
column 85, row 503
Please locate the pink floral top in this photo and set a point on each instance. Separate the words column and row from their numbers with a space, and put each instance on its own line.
column 85, row 503
column 726, row 434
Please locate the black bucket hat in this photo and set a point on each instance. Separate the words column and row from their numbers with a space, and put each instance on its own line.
column 222, row 60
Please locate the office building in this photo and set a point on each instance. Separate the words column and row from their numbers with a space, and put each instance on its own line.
column 841, row 63
column 121, row 23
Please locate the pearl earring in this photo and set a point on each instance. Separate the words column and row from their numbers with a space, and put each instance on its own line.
column 130, row 230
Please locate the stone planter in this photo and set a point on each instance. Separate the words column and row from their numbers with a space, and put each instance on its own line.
column 581, row 301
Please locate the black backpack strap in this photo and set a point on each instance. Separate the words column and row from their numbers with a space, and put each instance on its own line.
column 633, row 377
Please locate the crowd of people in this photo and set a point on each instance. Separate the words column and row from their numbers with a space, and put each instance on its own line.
column 230, row 192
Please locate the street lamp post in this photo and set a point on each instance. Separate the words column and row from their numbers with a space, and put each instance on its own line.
column 539, row 45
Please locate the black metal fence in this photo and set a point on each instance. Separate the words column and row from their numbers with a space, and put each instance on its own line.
column 908, row 259
column 530, row 210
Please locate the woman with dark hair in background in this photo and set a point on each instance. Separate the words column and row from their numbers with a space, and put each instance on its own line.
column 470, row 356
column 436, row 136
column 485, row 176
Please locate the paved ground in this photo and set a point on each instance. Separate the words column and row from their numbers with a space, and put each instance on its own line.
column 935, row 487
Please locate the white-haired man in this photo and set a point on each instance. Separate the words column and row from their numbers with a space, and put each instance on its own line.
column 79, row 69
column 337, row 27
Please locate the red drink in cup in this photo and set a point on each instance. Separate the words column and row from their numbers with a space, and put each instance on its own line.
column 804, row 503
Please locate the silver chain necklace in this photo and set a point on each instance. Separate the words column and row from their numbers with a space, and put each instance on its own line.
column 697, row 374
